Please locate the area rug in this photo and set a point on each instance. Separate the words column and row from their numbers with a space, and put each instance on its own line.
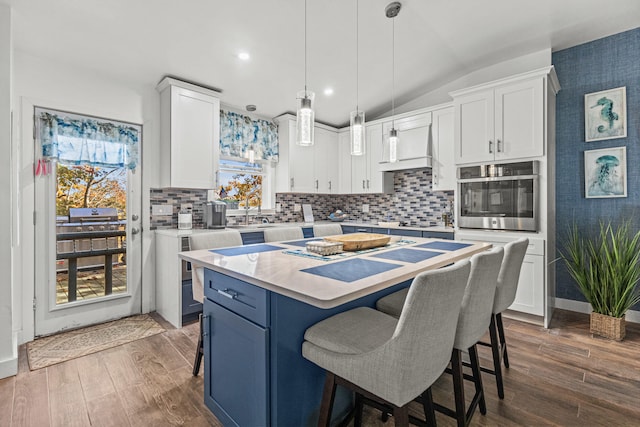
column 69, row 345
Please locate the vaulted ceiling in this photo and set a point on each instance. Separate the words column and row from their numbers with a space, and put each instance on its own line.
column 140, row 41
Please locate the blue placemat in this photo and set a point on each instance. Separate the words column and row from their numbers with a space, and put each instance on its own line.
column 444, row 246
column 302, row 243
column 351, row 270
column 248, row 249
column 346, row 254
column 407, row 255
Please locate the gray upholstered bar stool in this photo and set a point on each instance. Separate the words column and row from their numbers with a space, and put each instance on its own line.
column 321, row 230
column 508, row 278
column 387, row 360
column 213, row 240
column 278, row 234
column 475, row 317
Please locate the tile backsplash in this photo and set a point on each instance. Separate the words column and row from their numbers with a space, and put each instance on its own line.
column 412, row 202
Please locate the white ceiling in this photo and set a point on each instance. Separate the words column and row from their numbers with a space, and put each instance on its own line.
column 140, row 41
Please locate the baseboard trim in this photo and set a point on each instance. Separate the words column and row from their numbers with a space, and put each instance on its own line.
column 9, row 367
column 584, row 307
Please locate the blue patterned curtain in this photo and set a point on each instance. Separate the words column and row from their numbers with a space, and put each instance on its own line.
column 239, row 134
column 88, row 141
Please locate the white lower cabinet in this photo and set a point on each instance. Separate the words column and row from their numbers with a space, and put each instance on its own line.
column 530, row 296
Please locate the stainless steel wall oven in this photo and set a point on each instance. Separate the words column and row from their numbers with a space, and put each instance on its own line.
column 499, row 196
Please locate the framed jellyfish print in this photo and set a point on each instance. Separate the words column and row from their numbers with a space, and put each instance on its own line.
column 605, row 114
column 605, row 173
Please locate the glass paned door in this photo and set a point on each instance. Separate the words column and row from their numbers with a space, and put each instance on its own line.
column 87, row 245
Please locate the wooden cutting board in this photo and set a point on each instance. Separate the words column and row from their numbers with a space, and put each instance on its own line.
column 359, row 241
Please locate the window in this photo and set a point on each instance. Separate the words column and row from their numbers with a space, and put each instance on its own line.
column 241, row 181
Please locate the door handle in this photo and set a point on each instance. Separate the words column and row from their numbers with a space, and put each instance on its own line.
column 491, row 147
column 292, row 183
column 329, row 185
column 135, row 230
column 316, row 184
column 367, row 184
column 498, row 146
column 227, row 293
column 363, row 187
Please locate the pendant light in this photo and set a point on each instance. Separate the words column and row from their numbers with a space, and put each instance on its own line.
column 391, row 11
column 305, row 116
column 356, row 118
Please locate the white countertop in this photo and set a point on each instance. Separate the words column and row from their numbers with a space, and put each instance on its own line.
column 259, row 227
column 280, row 272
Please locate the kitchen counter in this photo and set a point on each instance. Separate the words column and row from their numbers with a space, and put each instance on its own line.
column 283, row 273
column 435, row 228
column 259, row 302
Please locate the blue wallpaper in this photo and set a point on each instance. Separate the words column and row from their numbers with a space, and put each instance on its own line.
column 603, row 64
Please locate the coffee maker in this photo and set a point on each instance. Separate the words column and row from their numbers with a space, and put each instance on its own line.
column 215, row 214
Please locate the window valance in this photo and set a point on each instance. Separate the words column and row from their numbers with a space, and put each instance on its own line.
column 239, row 134
column 77, row 140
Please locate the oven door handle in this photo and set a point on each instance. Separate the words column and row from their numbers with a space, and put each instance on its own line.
column 500, row 178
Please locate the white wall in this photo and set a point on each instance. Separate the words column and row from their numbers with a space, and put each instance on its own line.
column 8, row 351
column 47, row 83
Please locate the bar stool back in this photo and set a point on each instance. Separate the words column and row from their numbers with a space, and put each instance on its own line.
column 278, row 234
column 321, row 230
column 213, row 240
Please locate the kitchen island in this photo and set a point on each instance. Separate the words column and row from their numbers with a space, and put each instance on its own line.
column 261, row 298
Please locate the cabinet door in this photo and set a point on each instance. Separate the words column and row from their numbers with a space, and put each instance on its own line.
column 195, row 133
column 359, row 169
column 325, row 161
column 236, row 355
column 301, row 166
column 474, row 127
column 530, row 293
column 344, row 163
column 519, row 120
column 443, row 164
column 374, row 179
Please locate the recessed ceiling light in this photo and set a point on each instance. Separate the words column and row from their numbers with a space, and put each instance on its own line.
column 328, row 91
column 244, row 56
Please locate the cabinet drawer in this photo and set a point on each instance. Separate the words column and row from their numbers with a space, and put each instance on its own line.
column 240, row 297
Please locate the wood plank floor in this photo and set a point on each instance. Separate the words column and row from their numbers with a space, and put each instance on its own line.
column 558, row 376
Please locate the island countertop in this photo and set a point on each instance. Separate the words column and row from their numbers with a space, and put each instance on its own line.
column 320, row 282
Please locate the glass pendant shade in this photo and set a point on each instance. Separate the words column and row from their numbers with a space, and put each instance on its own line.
column 393, row 145
column 252, row 155
column 305, row 118
column 357, row 133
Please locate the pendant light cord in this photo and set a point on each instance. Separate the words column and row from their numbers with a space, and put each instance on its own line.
column 357, row 62
column 305, row 48
column 393, row 72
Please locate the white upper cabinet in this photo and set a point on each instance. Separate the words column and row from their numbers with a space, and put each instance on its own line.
column 443, row 162
column 344, row 163
column 413, row 150
column 312, row 169
column 366, row 176
column 501, row 120
column 189, row 135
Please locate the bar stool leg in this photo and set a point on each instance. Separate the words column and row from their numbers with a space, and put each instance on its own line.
column 503, row 341
column 495, row 350
column 358, row 411
column 427, row 405
column 458, row 387
column 328, row 395
column 401, row 416
column 477, row 380
column 199, row 350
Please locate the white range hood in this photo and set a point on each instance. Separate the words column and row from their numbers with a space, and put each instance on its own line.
column 414, row 148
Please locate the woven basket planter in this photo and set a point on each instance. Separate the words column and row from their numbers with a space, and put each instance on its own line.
column 607, row 326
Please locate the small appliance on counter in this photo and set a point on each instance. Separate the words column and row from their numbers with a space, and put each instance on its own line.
column 215, row 214
column 185, row 218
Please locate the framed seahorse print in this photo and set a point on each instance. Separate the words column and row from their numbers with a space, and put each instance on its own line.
column 605, row 114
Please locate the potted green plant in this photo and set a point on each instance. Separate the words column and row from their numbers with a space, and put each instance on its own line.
column 606, row 268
